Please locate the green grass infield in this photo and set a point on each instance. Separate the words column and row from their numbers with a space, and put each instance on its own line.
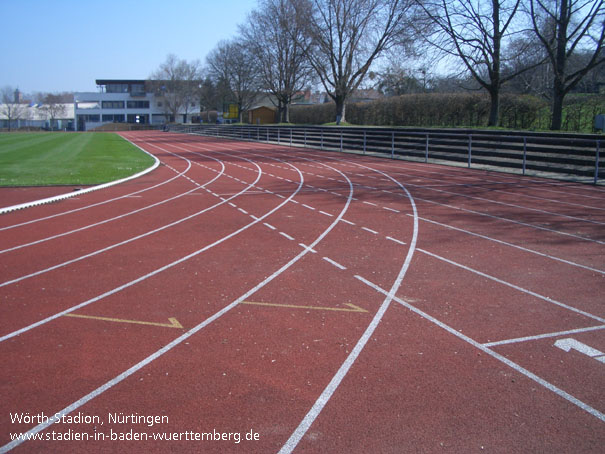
column 56, row 158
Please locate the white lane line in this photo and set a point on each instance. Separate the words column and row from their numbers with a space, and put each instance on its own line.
column 269, row 225
column 347, row 222
column 253, row 217
column 307, row 206
column 532, row 251
column 326, row 214
column 370, row 230
column 370, row 203
column 544, row 336
column 516, row 287
column 594, row 412
column 327, row 393
column 241, row 210
column 285, row 235
column 396, row 240
column 279, row 195
column 308, row 248
column 336, row 264
column 111, row 383
column 391, row 209
column 232, row 204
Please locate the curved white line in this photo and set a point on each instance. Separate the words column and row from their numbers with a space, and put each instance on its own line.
column 327, row 393
column 83, row 191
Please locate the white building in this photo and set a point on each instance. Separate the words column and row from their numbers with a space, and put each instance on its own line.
column 122, row 101
column 57, row 117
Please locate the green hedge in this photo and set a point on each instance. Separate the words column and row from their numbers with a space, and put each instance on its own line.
column 457, row 110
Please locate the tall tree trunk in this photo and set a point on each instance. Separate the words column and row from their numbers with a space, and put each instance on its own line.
column 560, row 67
column 340, row 109
column 494, row 109
column 287, row 113
column 557, row 106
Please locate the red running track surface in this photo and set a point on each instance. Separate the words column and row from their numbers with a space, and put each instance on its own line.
column 251, row 298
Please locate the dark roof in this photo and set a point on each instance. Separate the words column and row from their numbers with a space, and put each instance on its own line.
column 119, row 81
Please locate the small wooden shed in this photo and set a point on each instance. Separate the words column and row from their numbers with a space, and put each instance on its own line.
column 261, row 115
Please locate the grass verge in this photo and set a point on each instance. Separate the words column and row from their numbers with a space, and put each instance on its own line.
column 40, row 159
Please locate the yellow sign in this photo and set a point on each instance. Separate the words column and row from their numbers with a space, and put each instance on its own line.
column 233, row 112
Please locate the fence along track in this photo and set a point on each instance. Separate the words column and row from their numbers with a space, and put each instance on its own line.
column 552, row 155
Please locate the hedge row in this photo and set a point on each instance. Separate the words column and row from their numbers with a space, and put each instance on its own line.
column 457, row 110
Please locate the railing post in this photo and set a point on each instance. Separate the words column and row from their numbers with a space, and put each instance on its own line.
column 524, row 154
column 392, row 144
column 278, row 136
column 267, row 135
column 341, row 141
column 596, row 163
column 426, row 150
column 322, row 140
column 290, row 136
column 470, row 149
column 305, row 132
column 364, row 142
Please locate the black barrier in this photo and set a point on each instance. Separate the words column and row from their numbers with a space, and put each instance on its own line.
column 525, row 152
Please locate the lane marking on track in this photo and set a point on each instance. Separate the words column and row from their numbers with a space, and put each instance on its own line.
column 285, row 235
column 269, row 225
column 325, row 214
column 307, row 248
column 352, row 307
column 174, row 323
column 370, row 230
column 391, row 209
column 347, row 222
column 336, row 264
column 544, row 336
column 307, row 206
column 395, row 240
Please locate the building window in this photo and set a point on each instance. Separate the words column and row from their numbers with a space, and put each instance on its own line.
column 112, row 104
column 137, row 104
column 93, row 118
column 116, row 88
column 114, row 118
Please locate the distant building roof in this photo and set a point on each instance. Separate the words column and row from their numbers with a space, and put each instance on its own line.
column 119, row 81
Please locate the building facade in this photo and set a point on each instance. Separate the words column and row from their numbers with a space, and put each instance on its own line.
column 121, row 101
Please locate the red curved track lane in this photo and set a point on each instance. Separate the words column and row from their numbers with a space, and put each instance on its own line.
column 267, row 299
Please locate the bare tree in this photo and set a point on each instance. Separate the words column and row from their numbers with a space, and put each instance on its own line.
column 566, row 28
column 11, row 108
column 53, row 107
column 178, row 83
column 347, row 37
column 477, row 33
column 231, row 65
column 275, row 35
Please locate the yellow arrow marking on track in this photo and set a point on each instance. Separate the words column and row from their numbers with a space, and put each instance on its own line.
column 174, row 323
column 352, row 307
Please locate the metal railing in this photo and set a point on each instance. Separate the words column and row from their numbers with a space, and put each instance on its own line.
column 576, row 155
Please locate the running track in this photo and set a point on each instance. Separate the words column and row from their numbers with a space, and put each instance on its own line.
column 329, row 303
